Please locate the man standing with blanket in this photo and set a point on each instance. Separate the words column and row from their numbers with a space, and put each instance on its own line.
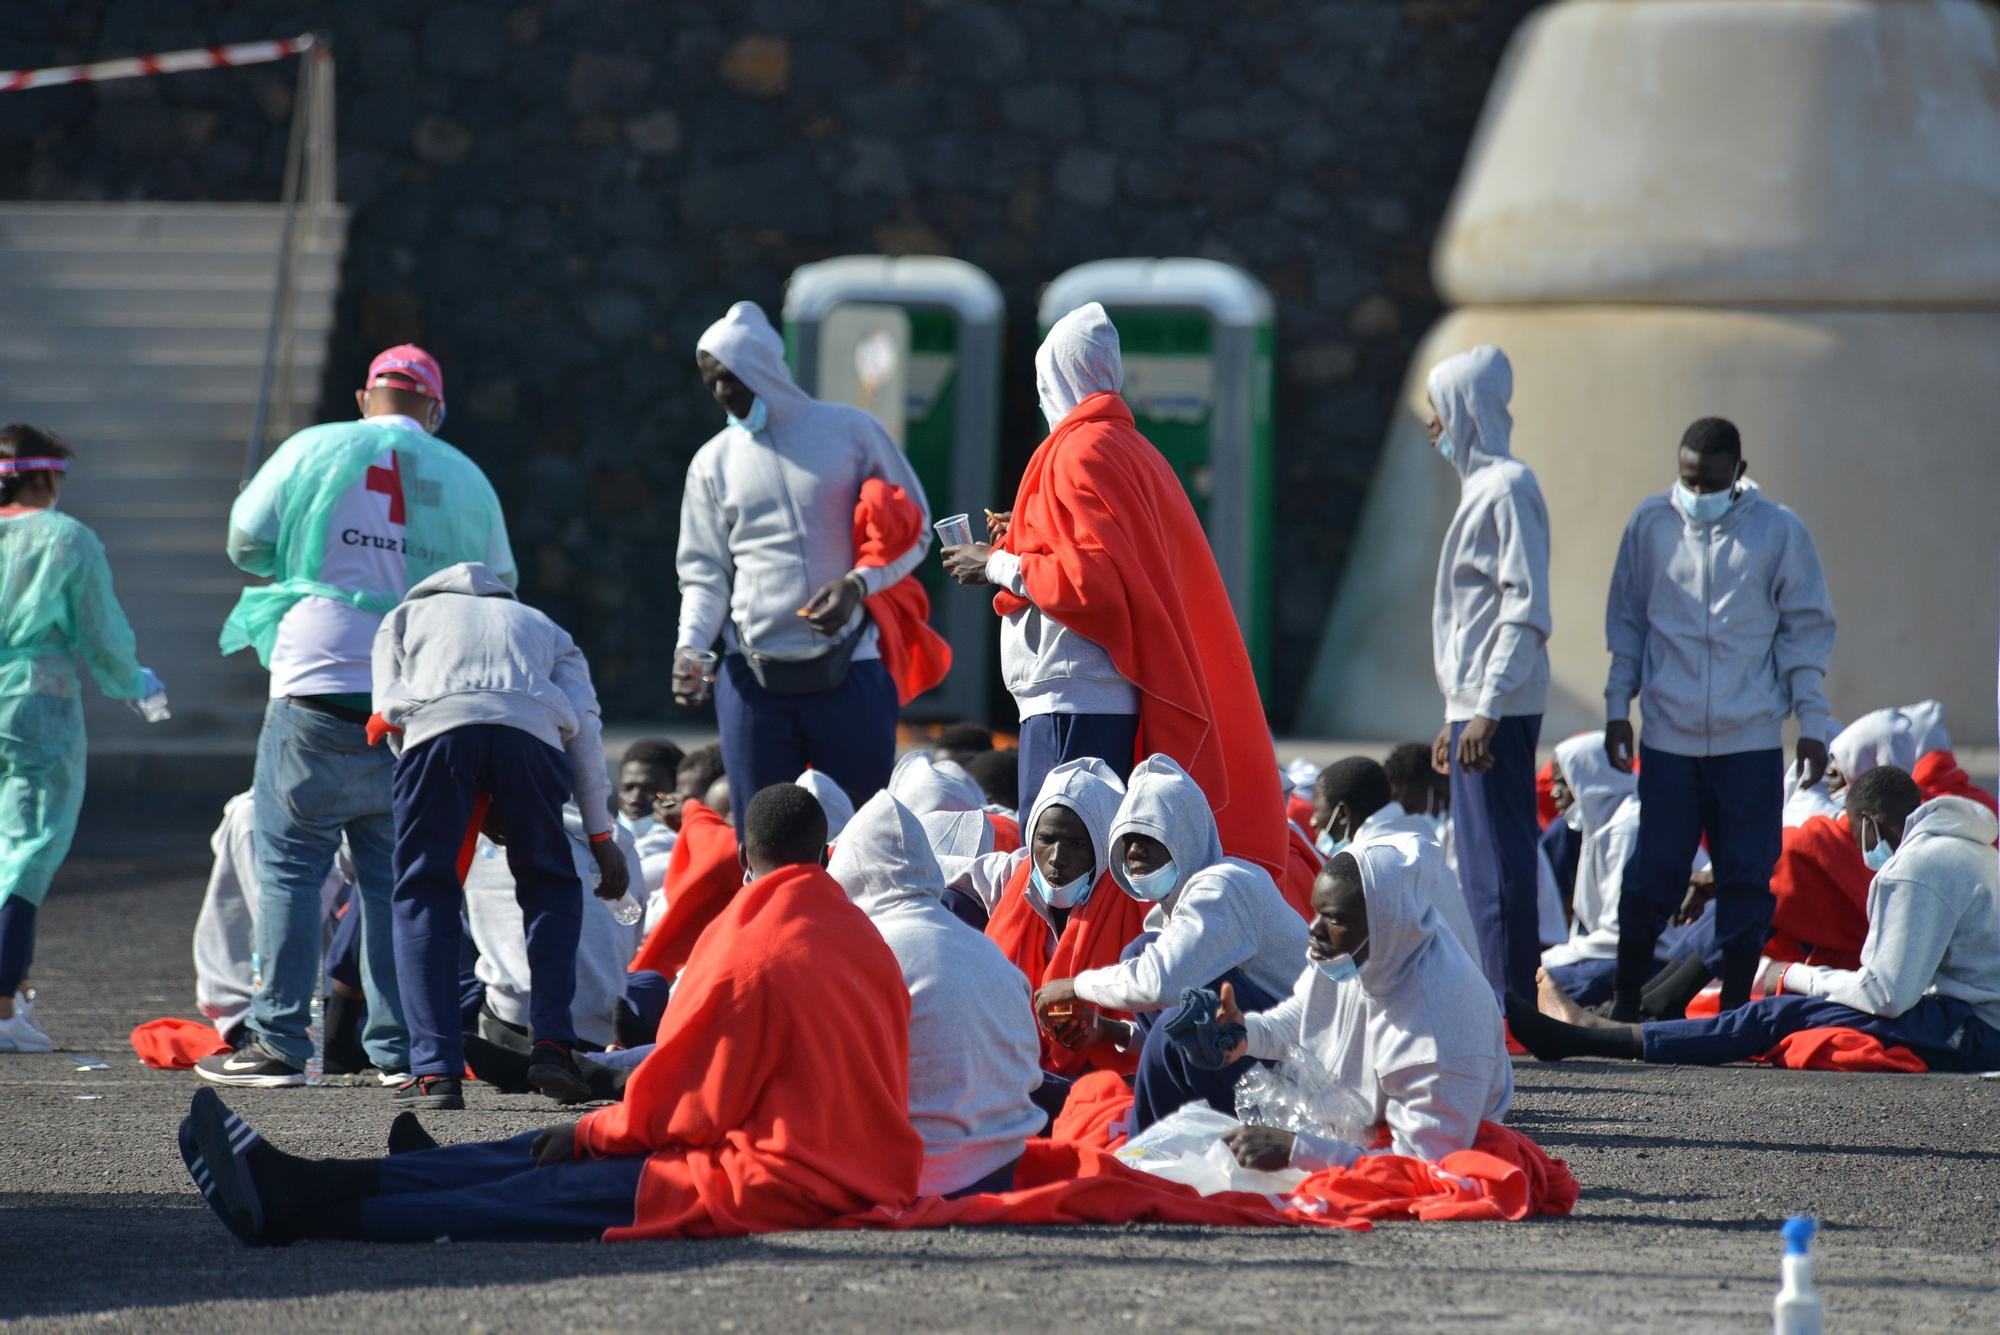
column 1117, row 638
column 769, row 562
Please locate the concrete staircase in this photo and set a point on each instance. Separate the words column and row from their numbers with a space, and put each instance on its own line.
column 136, row 332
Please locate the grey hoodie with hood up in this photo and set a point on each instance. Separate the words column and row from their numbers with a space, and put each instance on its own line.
column 1089, row 788
column 768, row 518
column 1417, row 1034
column 1224, row 914
column 1720, row 629
column 1490, row 623
column 975, row 1058
column 461, row 649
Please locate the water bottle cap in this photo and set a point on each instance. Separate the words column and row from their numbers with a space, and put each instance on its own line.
column 1798, row 1233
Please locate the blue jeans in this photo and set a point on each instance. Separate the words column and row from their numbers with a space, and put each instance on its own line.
column 493, row 1192
column 1048, row 740
column 847, row 733
column 1494, row 825
column 1942, row 1030
column 317, row 779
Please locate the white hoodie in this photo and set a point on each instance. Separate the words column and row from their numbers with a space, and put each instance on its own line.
column 1048, row 668
column 1609, row 799
column 603, row 948
column 1490, row 619
column 1088, row 787
column 1440, row 882
column 767, row 519
column 925, row 784
column 1417, row 1033
column 1899, row 737
column 975, row 1059
column 1933, row 921
column 1224, row 914
column 958, row 839
column 832, row 798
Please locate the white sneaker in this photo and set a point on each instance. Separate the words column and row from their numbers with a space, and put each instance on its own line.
column 391, row 1079
column 20, row 1034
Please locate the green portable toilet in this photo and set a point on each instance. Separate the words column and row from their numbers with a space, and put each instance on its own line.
column 915, row 340
column 1197, row 337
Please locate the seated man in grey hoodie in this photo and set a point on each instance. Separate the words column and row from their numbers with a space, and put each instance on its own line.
column 1930, row 967
column 488, row 701
column 1215, row 919
column 1719, row 621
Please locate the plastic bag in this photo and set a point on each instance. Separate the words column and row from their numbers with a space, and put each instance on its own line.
column 1186, row 1146
column 1298, row 1094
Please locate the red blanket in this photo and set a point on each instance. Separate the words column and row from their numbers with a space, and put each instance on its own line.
column 1006, row 832
column 888, row 523
column 1302, row 867
column 1299, row 811
column 168, row 1044
column 703, row 875
column 1097, row 1111
column 1840, row 1049
column 777, row 1097
column 1092, row 938
column 1504, row 1175
column 1821, row 885
column 1938, row 775
column 1111, row 549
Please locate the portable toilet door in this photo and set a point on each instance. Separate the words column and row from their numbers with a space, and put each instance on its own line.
column 915, row 340
column 1197, row 338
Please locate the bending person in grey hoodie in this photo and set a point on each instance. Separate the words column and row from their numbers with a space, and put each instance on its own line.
column 1930, row 967
column 1719, row 621
column 488, row 701
column 1215, row 919
column 767, row 564
column 975, row 1061
column 1489, row 642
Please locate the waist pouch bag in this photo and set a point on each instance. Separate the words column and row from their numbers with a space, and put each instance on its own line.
column 807, row 676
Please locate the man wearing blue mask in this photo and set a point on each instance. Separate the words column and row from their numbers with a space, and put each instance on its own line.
column 1929, row 978
column 1489, row 644
column 1719, row 621
column 767, row 564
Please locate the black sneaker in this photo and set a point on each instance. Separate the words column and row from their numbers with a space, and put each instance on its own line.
column 252, row 1066
column 497, row 1065
column 407, row 1135
column 440, row 1092
column 552, row 1070
column 215, row 1145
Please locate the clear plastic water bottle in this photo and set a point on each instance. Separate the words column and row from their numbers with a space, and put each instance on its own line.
column 153, row 708
column 316, row 1035
column 627, row 910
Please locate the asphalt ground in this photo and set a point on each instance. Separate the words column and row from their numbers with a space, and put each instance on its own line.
column 1686, row 1176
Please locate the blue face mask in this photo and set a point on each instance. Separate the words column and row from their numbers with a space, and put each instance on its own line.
column 760, row 414
column 1338, row 969
column 1328, row 846
column 1154, row 886
column 1444, row 447
column 1704, row 507
column 1877, row 857
column 1059, row 896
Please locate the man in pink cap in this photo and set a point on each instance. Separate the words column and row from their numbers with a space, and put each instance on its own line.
column 342, row 520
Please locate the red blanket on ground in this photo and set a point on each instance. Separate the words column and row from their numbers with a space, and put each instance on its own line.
column 1938, row 775
column 1111, row 548
column 1097, row 1111
column 888, row 523
column 703, row 875
column 777, row 1097
column 1504, row 1175
column 1302, row 867
column 1821, row 885
column 169, row 1044
column 1092, row 938
column 1840, row 1049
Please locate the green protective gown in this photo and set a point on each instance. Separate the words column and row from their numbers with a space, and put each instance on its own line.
column 56, row 609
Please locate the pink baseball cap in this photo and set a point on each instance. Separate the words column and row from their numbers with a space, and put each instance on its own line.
column 408, row 367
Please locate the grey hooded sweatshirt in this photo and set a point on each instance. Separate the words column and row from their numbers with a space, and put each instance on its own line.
column 1225, row 913
column 1720, row 629
column 1417, row 1034
column 1490, row 623
column 460, row 649
column 768, row 518
column 975, row 1058
column 1933, row 921
column 1089, row 788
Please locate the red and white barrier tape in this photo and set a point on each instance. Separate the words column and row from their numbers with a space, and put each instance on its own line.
column 167, row 62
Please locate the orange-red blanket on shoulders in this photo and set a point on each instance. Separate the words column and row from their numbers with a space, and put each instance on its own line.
column 703, row 874
column 1111, row 548
column 888, row 523
column 1092, row 938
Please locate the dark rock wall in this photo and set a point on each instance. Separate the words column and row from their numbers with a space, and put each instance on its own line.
column 556, row 198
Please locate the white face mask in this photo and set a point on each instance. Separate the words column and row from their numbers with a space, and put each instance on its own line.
column 1573, row 817
column 636, row 828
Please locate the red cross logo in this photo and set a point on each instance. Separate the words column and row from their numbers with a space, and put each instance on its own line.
column 389, row 481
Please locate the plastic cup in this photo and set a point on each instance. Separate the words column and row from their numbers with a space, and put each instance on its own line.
column 705, row 659
column 954, row 530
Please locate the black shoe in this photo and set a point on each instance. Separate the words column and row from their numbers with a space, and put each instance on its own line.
column 344, row 1054
column 440, row 1092
column 634, row 1032
column 553, row 1071
column 1611, row 1010
column 252, row 1066
column 497, row 1065
column 607, row 1083
column 215, row 1145
column 407, row 1135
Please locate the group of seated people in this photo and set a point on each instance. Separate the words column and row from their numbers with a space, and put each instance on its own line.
column 941, row 970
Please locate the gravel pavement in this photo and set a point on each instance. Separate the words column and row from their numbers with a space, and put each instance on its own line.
column 1686, row 1176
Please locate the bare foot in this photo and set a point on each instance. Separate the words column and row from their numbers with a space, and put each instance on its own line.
column 1555, row 1003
